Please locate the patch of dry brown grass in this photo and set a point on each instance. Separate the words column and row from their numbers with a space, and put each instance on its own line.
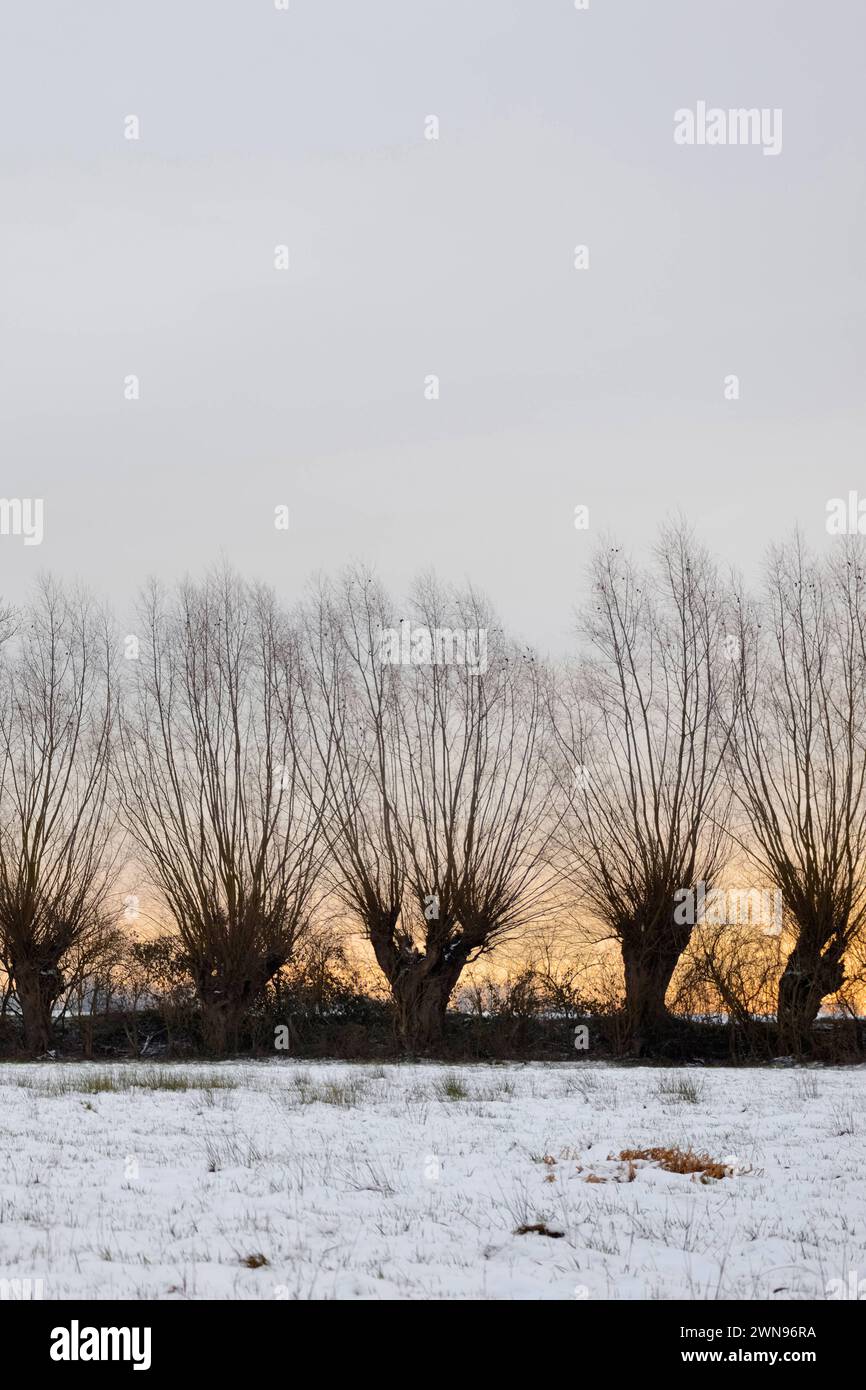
column 540, row 1228
column 678, row 1161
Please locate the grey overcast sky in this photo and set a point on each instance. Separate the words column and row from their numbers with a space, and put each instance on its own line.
column 409, row 257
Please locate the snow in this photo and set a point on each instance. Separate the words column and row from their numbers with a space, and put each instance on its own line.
column 410, row 1181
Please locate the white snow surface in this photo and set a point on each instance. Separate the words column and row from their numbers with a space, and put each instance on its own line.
column 410, row 1181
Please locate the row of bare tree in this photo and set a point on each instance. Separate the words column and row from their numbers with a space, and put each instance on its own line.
column 434, row 783
column 709, row 724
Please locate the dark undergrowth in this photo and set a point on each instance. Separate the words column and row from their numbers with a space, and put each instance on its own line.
column 364, row 1030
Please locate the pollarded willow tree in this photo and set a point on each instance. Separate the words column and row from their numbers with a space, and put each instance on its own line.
column 216, row 788
column 798, row 761
column 439, row 801
column 641, row 737
column 56, row 860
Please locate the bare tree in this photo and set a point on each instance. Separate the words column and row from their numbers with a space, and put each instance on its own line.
column 56, row 720
column 798, row 762
column 215, row 786
column 640, row 735
column 439, row 797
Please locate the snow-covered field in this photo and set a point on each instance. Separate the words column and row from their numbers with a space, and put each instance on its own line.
column 411, row 1181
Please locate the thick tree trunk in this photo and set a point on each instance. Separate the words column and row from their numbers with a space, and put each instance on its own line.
column 808, row 978
column 421, row 981
column 225, row 1002
column 649, row 966
column 221, row 1021
column 421, row 996
column 37, row 988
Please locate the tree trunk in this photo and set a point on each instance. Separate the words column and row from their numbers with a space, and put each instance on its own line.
column 226, row 997
column 222, row 1015
column 649, row 966
column 223, row 1002
column 37, row 988
column 808, row 978
column 421, row 997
